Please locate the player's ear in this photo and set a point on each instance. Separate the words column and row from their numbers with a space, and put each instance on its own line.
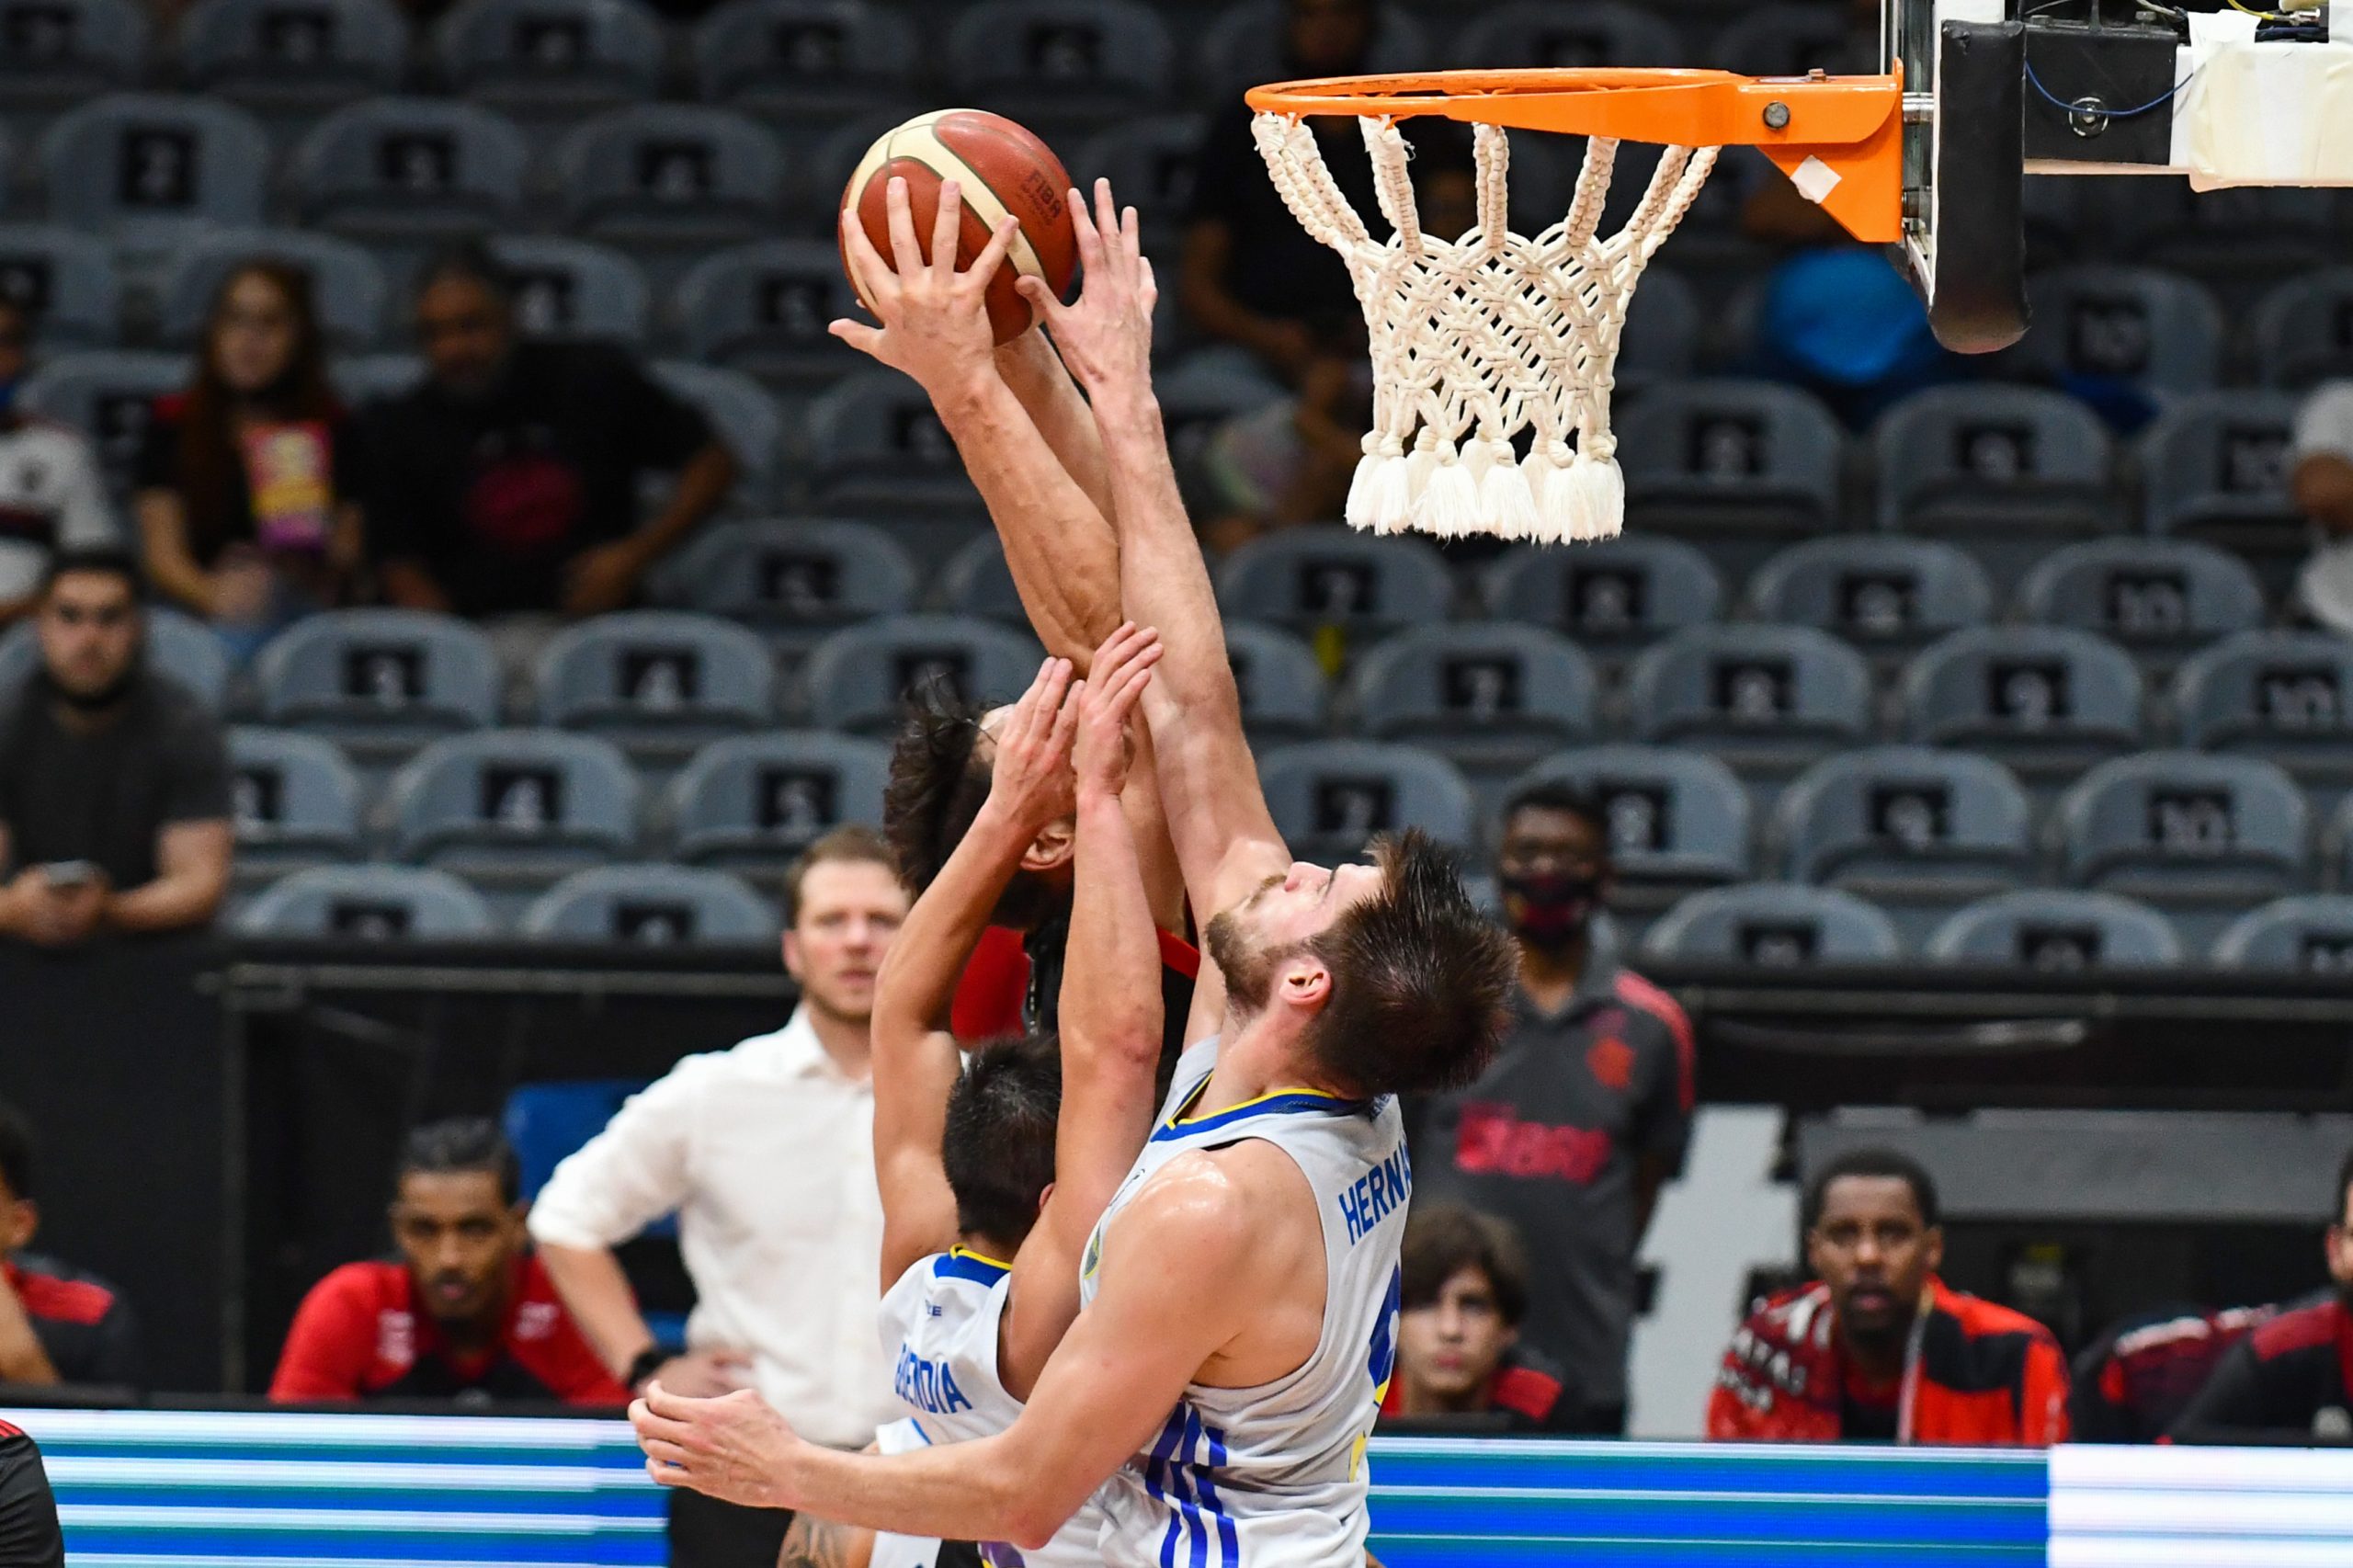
column 1932, row 1242
column 19, row 1222
column 1044, row 1193
column 1305, row 983
column 1052, row 848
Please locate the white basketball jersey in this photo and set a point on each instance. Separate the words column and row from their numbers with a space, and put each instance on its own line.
column 939, row 1327
column 1274, row 1477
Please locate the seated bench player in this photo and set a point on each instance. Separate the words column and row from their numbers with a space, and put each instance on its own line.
column 466, row 1311
column 57, row 1325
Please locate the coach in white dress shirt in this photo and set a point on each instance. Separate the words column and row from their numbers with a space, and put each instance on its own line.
column 767, row 1155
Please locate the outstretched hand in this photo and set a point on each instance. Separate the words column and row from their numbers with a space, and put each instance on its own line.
column 1029, row 784
column 1106, row 336
column 1123, row 669
column 935, row 315
column 736, row 1447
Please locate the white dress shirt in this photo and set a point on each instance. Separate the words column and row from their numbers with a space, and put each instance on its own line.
column 767, row 1153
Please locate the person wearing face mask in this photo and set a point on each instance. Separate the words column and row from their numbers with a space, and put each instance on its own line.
column 1585, row 1112
column 51, row 497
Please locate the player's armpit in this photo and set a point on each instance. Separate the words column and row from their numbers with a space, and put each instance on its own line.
column 819, row 1543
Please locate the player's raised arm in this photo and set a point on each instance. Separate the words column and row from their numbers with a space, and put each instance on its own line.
column 915, row 1059
column 1110, row 1018
column 1225, row 840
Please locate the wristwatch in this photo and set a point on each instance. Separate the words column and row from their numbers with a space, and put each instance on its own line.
column 648, row 1362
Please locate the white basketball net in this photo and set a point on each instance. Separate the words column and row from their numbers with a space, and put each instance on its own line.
column 1478, row 339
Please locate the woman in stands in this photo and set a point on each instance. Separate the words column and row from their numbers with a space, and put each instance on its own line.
column 248, row 480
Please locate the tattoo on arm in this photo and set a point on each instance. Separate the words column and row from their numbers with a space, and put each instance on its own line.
column 819, row 1543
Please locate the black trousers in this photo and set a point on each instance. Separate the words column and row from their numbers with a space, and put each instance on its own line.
column 708, row 1533
column 28, row 1536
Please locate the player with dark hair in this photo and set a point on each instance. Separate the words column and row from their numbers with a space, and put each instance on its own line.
column 1458, row 1354
column 2292, row 1377
column 57, row 1325
column 467, row 1313
column 1241, row 1289
column 1881, row 1349
column 2134, row 1381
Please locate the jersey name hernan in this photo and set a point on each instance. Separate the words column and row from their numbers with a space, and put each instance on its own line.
column 1275, row 1476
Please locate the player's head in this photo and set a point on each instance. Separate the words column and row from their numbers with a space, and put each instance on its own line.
column 1873, row 1233
column 91, row 625
column 1464, row 1292
column 842, row 905
column 458, row 1217
column 939, row 778
column 2340, row 1231
column 999, row 1146
column 18, row 1217
column 1393, row 981
column 1553, row 864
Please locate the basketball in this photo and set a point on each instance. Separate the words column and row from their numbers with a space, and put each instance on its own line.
column 1001, row 168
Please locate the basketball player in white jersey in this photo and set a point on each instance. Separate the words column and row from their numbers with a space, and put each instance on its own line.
column 1241, row 1319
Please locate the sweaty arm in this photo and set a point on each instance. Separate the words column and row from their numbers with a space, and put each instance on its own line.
column 1110, row 1021
column 191, row 876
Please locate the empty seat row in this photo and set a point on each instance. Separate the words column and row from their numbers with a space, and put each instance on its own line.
column 652, row 905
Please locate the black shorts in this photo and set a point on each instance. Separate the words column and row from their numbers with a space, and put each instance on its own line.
column 28, row 1536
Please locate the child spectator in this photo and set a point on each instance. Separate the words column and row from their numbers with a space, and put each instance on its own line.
column 1464, row 1290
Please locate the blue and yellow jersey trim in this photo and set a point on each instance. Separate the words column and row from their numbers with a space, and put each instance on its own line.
column 1280, row 1102
column 962, row 1263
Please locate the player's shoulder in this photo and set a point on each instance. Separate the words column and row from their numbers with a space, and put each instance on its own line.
column 1641, row 996
column 61, row 1294
column 2302, row 1325
column 1213, row 1199
column 368, row 1285
column 1982, row 1319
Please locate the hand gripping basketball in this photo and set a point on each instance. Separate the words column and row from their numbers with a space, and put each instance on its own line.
column 1106, row 338
column 934, row 314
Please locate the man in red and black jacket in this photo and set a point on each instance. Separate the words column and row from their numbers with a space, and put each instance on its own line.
column 2292, row 1377
column 2134, row 1381
column 1462, row 1295
column 1881, row 1349
column 466, row 1313
column 29, row 1535
column 57, row 1325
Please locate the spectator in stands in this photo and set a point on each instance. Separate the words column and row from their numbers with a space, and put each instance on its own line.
column 1465, row 1294
column 2291, row 1378
column 28, row 1533
column 1881, row 1349
column 465, row 1312
column 1585, row 1112
column 765, row 1152
column 507, row 483
column 1250, row 275
column 2136, row 1380
column 1292, row 460
column 57, row 1323
column 52, row 495
column 248, row 482
column 2320, row 480
column 114, row 780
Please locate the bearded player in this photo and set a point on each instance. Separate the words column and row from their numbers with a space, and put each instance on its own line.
column 1242, row 1286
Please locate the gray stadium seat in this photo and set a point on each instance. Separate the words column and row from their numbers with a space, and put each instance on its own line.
column 551, row 58
column 1059, row 65
column 1198, row 395
column 2123, row 324
column 1767, row 699
column 1281, row 686
column 878, row 446
column 1491, row 696
column 763, row 309
column 1530, row 33
column 1610, row 596
column 297, row 803
column 65, row 279
column 109, row 396
column 1917, row 830
column 2152, row 596
column 410, row 169
column 572, row 289
column 2056, row 932
column 2047, row 700
column 1679, row 820
column 2202, row 837
column 150, row 169
column 2232, row 239
column 375, row 378
column 2303, row 329
column 513, row 811
column 658, row 683
column 178, row 646
column 2310, row 935
column 752, row 803
column 1714, row 459
column 370, row 904
column 1661, row 340
column 798, row 575
column 2012, row 471
column 292, row 56
column 2284, row 696
column 677, row 176
column 1876, row 592
column 813, row 61
column 2214, row 469
column 858, row 676
column 1329, row 798
column 1317, row 577
column 1244, row 46
column 346, row 286
column 1150, row 161
column 1774, row 925
column 380, row 682
column 976, row 581
column 61, row 53
column 653, row 906
column 744, row 416
column 1782, row 39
